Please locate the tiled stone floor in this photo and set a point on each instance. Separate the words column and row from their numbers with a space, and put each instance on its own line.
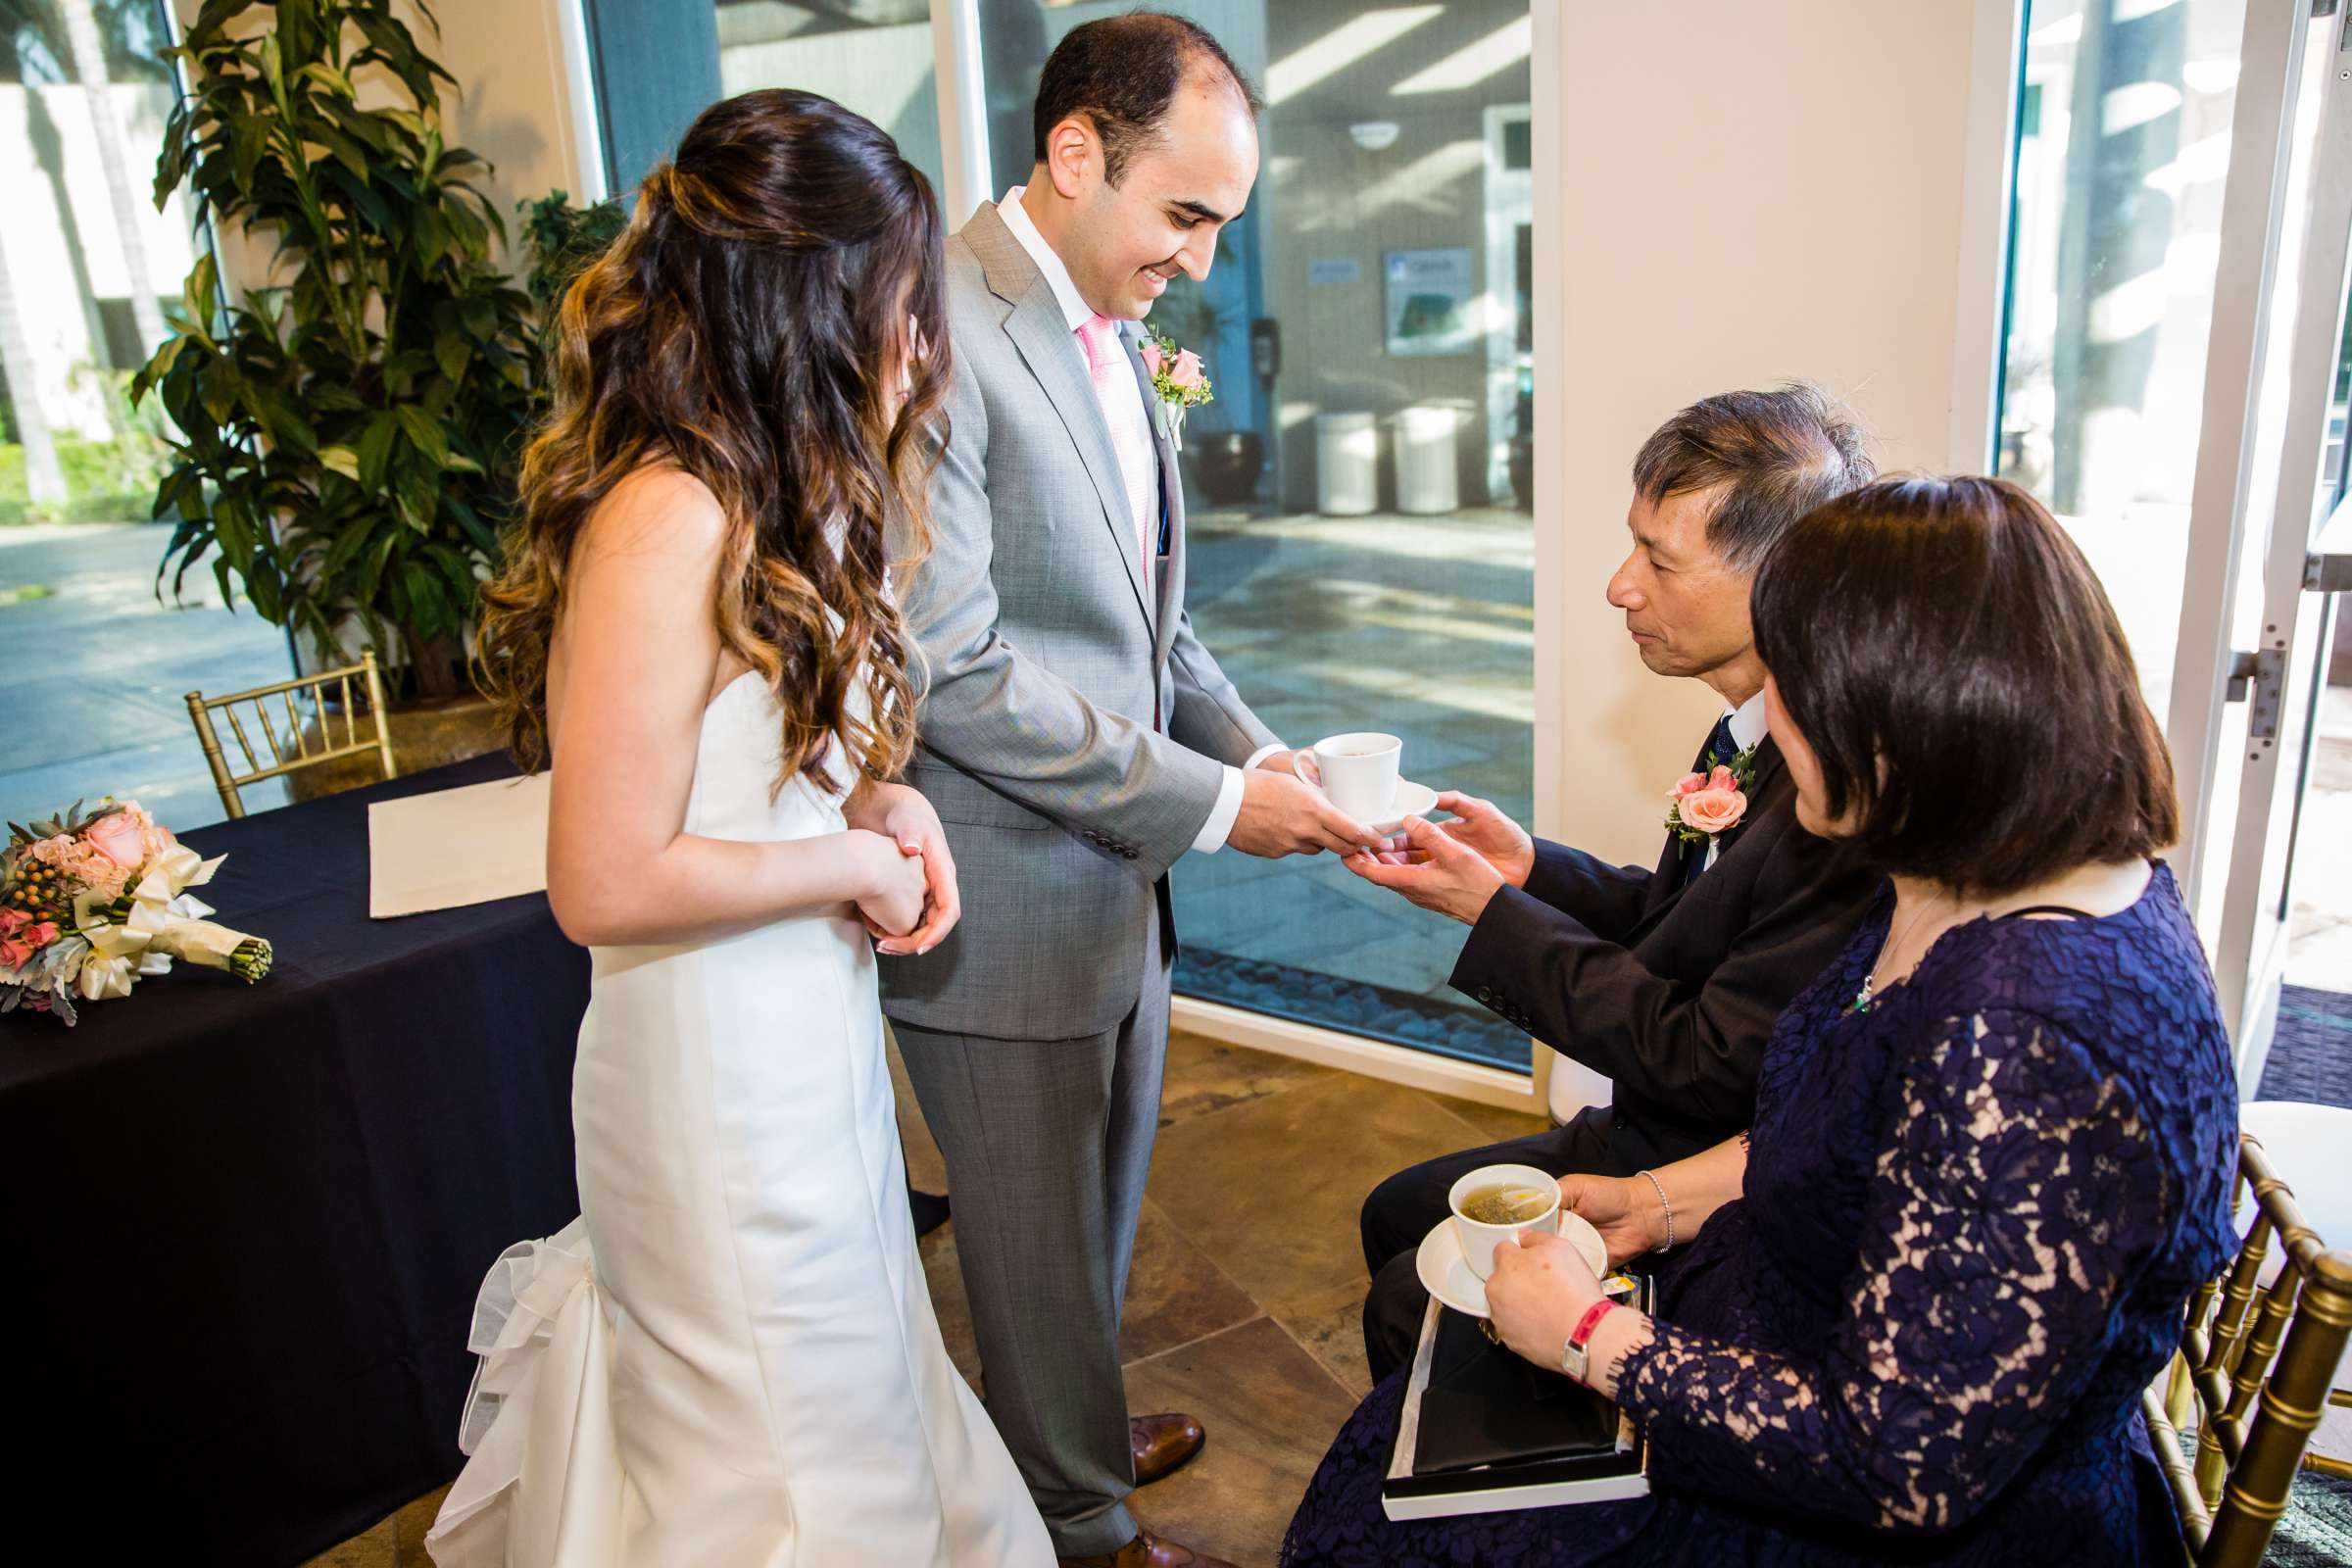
column 1245, row 1319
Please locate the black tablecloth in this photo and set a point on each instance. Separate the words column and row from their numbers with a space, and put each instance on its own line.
column 241, row 1228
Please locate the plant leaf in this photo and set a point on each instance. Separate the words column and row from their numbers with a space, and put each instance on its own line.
column 376, row 450
column 424, row 432
column 454, row 354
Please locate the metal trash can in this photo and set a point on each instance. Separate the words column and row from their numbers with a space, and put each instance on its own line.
column 1347, row 464
column 1428, row 475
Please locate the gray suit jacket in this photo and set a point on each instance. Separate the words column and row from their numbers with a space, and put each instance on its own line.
column 1045, row 658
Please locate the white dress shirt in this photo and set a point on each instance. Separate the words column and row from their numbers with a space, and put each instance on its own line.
column 1076, row 312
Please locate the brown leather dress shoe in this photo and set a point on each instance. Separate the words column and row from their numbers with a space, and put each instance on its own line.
column 1148, row 1550
column 1162, row 1443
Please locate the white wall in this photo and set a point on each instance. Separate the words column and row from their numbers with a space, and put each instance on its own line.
column 1748, row 193
column 516, row 105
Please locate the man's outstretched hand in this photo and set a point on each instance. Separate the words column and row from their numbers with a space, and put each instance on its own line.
column 1435, row 869
column 1483, row 826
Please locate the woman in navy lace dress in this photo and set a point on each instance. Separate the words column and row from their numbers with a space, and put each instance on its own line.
column 1992, row 1146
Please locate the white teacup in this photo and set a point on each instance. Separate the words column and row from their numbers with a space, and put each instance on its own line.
column 1356, row 771
column 1480, row 1238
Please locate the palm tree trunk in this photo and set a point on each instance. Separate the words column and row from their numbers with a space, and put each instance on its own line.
column 89, row 65
column 44, row 480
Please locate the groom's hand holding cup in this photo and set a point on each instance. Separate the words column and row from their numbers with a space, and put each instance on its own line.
column 1283, row 814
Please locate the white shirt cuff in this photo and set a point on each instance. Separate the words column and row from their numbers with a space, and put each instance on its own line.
column 1223, row 815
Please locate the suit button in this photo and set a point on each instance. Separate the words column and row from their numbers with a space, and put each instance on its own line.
column 1130, row 854
column 1485, row 993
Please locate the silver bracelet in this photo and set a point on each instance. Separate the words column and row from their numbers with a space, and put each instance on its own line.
column 1667, row 1245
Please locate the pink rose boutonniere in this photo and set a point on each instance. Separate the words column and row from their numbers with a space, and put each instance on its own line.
column 1702, row 806
column 1177, row 381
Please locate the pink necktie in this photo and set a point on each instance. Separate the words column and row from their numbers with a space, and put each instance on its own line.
column 1130, row 429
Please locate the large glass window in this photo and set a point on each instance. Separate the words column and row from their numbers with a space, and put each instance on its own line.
column 659, row 63
column 1361, row 547
column 874, row 56
column 96, row 664
column 2123, row 151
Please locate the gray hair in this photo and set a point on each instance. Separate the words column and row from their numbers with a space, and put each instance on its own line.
column 1781, row 454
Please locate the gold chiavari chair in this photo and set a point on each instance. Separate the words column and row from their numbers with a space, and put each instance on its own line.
column 302, row 702
column 2282, row 1342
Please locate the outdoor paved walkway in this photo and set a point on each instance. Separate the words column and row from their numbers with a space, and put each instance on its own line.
column 95, row 673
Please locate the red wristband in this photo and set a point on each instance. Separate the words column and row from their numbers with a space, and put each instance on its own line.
column 1592, row 1320
column 1573, row 1358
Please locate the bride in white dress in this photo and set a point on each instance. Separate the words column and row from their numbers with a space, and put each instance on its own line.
column 730, row 1359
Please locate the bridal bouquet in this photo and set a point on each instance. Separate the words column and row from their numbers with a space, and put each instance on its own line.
column 90, row 906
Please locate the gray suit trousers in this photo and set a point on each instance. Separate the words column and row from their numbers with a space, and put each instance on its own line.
column 1047, row 1143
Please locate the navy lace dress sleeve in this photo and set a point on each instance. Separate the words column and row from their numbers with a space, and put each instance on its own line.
column 2017, row 1197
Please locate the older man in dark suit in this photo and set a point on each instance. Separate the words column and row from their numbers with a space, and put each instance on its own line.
column 1665, row 979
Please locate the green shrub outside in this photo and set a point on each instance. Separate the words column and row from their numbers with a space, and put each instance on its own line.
column 105, row 481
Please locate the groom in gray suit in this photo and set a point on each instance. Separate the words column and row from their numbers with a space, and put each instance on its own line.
column 1077, row 739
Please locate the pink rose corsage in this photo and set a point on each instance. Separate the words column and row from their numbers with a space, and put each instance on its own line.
column 1177, row 381
column 1701, row 806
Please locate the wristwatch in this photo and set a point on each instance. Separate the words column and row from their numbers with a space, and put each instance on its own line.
column 1576, row 1350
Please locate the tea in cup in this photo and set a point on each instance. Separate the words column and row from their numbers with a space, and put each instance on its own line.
column 1497, row 1202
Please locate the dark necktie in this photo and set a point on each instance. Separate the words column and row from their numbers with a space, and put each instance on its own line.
column 1721, row 748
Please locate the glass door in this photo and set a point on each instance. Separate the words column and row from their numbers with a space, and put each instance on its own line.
column 2123, row 152
column 2247, row 712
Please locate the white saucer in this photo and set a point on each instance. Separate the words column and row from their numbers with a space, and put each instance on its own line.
column 1410, row 800
column 1446, row 1272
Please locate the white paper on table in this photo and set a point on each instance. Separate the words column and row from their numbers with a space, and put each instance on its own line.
column 456, row 847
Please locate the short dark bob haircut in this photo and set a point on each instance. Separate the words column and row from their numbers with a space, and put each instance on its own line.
column 1954, row 664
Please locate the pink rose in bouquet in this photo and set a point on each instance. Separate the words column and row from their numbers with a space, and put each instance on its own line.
column 120, row 838
column 1186, row 372
column 1151, row 356
column 1716, row 808
column 75, row 859
column 15, row 947
column 22, row 936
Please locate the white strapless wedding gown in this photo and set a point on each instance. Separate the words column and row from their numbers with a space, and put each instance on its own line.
column 729, row 1360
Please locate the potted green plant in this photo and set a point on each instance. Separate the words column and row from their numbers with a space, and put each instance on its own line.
column 561, row 239
column 346, row 433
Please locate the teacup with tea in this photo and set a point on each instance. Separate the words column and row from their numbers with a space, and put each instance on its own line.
column 1497, row 1202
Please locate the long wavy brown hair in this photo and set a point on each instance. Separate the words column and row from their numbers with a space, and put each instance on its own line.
column 772, row 322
